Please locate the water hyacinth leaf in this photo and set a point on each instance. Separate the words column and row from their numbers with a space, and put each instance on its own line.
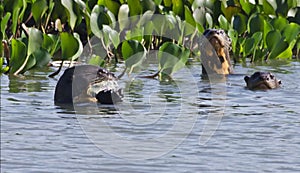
column 30, row 63
column 123, row 17
column 256, row 23
column 267, row 28
column 4, row 23
column 247, row 6
column 42, row 57
column 158, row 2
column 114, row 37
column 171, row 58
column 133, row 53
column 276, row 44
column 288, row 53
column 135, row 7
column 267, row 7
column 167, row 3
column 184, row 56
column 99, row 17
column 68, row 4
column 135, row 34
column 209, row 20
column 239, row 23
column 146, row 17
column 38, row 9
column 35, row 40
column 48, row 43
column 279, row 23
column 17, row 5
column 71, row 46
column 18, row 55
column 223, row 22
column 112, row 6
column 291, row 31
column 233, row 34
column 148, row 5
column 177, row 7
column 199, row 15
column 248, row 46
column 230, row 11
column 189, row 16
column 97, row 60
column 252, row 43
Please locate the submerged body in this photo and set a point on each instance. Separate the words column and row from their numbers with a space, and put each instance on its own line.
column 262, row 81
column 87, row 83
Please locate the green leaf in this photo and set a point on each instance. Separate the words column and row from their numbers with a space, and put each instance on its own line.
column 177, row 7
column 148, row 5
column 112, row 6
column 267, row 7
column 252, row 43
column 35, row 40
column 209, row 20
column 291, row 31
column 97, row 60
column 256, row 23
column 68, row 4
column 246, row 6
column 189, row 16
column 71, row 46
column 18, row 55
column 48, row 43
column 172, row 58
column 248, row 46
column 17, row 5
column 123, row 17
column 99, row 17
column 42, row 57
column 38, row 9
column 4, row 24
column 135, row 7
column 30, row 63
column 223, row 22
column 233, row 34
column 267, row 28
column 276, row 44
column 133, row 53
column 279, row 23
column 239, row 23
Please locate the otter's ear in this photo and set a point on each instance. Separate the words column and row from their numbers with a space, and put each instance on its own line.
column 246, row 78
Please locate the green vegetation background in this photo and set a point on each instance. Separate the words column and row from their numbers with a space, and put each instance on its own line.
column 35, row 32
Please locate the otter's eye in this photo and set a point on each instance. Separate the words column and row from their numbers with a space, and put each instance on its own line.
column 272, row 76
column 221, row 58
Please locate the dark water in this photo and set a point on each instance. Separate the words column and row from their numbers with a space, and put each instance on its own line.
column 188, row 125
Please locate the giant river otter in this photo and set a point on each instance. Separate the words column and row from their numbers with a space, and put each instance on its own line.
column 215, row 53
column 87, row 83
column 262, row 81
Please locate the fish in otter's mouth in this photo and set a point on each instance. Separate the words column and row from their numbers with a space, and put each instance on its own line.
column 262, row 81
column 87, row 83
column 105, row 89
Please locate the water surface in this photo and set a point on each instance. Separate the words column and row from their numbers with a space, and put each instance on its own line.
column 252, row 131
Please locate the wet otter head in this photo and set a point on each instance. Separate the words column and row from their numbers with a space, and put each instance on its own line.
column 215, row 53
column 262, row 81
column 87, row 83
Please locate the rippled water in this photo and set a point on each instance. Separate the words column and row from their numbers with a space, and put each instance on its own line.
column 188, row 125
